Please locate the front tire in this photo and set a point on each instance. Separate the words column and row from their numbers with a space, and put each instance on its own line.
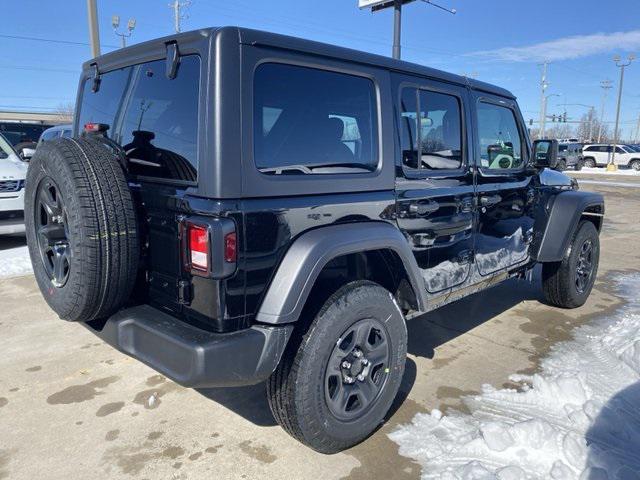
column 635, row 164
column 337, row 381
column 562, row 165
column 579, row 165
column 567, row 284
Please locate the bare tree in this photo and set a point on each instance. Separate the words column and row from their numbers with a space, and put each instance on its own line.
column 64, row 112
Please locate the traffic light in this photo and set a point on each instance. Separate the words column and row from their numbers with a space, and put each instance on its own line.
column 553, row 117
column 564, row 117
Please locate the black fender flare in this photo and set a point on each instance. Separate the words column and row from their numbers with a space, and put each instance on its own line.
column 309, row 253
column 564, row 213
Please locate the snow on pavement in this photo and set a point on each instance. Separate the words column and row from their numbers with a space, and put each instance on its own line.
column 628, row 172
column 14, row 261
column 579, row 418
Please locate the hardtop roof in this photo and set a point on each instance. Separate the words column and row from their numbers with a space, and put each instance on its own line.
column 257, row 37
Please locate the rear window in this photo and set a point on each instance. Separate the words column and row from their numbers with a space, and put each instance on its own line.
column 154, row 118
column 311, row 121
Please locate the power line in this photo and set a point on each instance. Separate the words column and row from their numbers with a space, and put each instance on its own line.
column 39, row 69
column 50, row 40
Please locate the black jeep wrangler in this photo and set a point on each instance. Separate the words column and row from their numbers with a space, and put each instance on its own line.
column 237, row 207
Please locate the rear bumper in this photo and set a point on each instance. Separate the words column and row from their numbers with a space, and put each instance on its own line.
column 194, row 357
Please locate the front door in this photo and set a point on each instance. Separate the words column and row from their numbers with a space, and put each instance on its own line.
column 434, row 183
column 505, row 196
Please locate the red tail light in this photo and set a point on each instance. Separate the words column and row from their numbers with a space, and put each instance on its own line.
column 230, row 247
column 198, row 247
column 95, row 127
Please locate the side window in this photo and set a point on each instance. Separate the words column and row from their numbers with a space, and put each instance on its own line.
column 431, row 125
column 590, row 149
column 620, row 150
column 311, row 121
column 154, row 119
column 499, row 137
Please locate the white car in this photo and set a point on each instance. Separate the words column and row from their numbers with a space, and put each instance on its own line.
column 13, row 172
column 599, row 155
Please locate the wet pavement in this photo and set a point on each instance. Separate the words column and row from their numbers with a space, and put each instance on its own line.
column 72, row 407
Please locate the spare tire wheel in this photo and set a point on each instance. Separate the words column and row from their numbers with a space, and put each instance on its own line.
column 81, row 228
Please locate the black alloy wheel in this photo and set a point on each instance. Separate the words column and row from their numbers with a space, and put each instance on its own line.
column 357, row 369
column 584, row 267
column 52, row 233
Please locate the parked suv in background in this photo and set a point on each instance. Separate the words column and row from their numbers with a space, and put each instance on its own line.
column 240, row 207
column 599, row 155
column 570, row 156
column 12, row 177
column 55, row 132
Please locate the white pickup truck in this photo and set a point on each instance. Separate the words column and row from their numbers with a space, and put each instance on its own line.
column 13, row 172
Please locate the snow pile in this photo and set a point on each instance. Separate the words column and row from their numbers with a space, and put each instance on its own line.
column 15, row 261
column 577, row 419
column 603, row 171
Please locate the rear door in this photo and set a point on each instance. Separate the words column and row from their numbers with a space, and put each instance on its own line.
column 434, row 183
column 505, row 194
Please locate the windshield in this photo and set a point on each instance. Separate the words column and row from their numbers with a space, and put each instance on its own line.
column 5, row 148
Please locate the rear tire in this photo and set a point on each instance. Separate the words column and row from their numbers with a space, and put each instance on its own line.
column 81, row 228
column 567, row 284
column 562, row 166
column 322, row 366
column 590, row 162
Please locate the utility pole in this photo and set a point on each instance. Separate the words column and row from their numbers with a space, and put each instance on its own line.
column 115, row 23
column 397, row 28
column 605, row 85
column 622, row 66
column 94, row 33
column 543, row 99
column 176, row 5
column 638, row 130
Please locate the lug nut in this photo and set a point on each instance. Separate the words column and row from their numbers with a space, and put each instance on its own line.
column 346, row 364
column 361, row 377
column 349, row 379
column 357, row 353
column 365, row 361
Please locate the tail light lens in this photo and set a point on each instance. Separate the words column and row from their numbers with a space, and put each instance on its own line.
column 198, row 247
column 230, row 247
column 209, row 246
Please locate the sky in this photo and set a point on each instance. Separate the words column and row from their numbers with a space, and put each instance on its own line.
column 44, row 43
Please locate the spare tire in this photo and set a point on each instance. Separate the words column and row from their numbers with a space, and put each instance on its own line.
column 81, row 228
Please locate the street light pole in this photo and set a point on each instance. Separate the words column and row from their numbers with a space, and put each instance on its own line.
column 622, row 66
column 115, row 23
column 543, row 101
column 605, row 85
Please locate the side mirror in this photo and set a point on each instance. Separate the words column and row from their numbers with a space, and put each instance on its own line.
column 27, row 153
column 545, row 153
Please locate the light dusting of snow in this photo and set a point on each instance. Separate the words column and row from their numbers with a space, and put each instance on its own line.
column 15, row 261
column 579, row 418
column 500, row 253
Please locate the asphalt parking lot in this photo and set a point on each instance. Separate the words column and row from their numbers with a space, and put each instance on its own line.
column 72, row 407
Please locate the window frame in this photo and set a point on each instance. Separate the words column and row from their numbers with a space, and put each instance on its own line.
column 87, row 77
column 524, row 141
column 376, row 132
column 419, row 173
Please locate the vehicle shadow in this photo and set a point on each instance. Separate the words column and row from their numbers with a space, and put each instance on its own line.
column 433, row 329
column 426, row 333
column 613, row 441
column 251, row 402
column 12, row 241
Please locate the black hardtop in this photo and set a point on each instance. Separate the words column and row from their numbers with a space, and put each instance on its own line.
column 248, row 36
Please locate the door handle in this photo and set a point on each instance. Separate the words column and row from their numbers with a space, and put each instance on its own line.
column 424, row 208
column 489, row 200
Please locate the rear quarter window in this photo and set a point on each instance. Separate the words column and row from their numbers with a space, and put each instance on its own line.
column 153, row 118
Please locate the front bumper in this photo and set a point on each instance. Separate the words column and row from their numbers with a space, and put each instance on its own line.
column 193, row 357
column 11, row 202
